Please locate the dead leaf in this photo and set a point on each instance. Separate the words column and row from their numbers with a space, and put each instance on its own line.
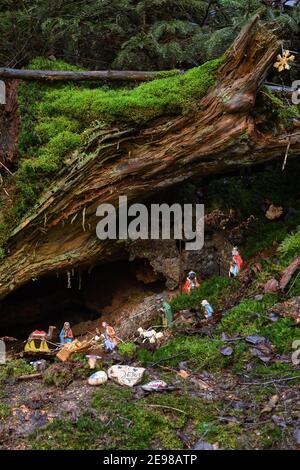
column 183, row 374
column 226, row 351
column 274, row 212
column 255, row 339
column 271, row 404
column 202, row 445
column 279, row 421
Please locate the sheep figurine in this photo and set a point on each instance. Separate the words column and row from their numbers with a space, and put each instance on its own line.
column 151, row 335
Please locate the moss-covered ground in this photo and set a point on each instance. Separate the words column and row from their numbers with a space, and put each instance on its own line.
column 232, row 412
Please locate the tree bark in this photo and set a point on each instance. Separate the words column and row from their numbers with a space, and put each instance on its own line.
column 53, row 75
column 221, row 135
column 9, row 124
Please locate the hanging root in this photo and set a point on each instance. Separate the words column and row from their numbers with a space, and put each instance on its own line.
column 83, row 219
column 69, row 280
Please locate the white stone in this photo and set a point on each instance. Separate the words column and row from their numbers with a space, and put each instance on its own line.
column 126, row 375
column 98, row 378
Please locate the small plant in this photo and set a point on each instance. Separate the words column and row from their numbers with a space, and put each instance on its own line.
column 248, row 317
column 60, row 375
column 5, row 411
column 127, row 349
column 290, row 246
column 14, row 368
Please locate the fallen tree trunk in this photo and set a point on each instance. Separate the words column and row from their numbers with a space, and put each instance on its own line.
column 289, row 272
column 221, row 135
column 58, row 75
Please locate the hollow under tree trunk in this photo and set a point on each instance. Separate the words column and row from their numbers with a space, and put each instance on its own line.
column 220, row 136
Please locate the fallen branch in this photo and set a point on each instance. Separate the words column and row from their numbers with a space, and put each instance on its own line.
column 288, row 273
column 7, row 169
column 286, row 379
column 29, row 377
column 58, row 75
column 167, row 358
column 286, row 154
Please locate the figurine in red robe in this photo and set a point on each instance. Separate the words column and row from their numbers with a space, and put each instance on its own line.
column 190, row 283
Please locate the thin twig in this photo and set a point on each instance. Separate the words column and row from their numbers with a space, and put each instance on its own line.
column 167, row 407
column 170, row 357
column 29, row 376
column 7, row 169
column 286, row 154
column 272, row 381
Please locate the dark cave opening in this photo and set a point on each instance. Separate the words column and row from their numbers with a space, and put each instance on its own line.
column 75, row 297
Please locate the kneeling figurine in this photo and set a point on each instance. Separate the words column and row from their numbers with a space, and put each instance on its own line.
column 66, row 334
column 208, row 309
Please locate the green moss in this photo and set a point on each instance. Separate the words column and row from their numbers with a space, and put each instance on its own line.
column 225, row 435
column 289, row 113
column 282, row 334
column 42, row 63
column 247, row 318
column 214, row 290
column 5, row 411
column 150, row 422
column 270, row 436
column 14, row 368
column 127, row 349
column 55, row 116
column 202, row 353
column 279, row 111
column 171, row 95
column 59, row 375
column 277, row 370
column 290, row 246
column 241, row 357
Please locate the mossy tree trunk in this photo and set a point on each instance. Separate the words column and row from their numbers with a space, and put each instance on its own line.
column 222, row 134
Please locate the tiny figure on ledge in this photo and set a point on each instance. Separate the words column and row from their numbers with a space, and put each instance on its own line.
column 208, row 309
column 166, row 308
column 110, row 337
column 237, row 258
column 66, row 334
column 191, row 283
column 233, row 269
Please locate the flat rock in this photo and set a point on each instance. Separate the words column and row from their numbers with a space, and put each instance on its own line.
column 126, row 375
column 155, row 386
column 202, row 445
column 98, row 378
column 259, row 297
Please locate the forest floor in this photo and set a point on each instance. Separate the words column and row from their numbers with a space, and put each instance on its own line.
column 256, row 409
column 233, row 382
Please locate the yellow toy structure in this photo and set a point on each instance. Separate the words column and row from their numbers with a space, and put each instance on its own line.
column 35, row 345
column 38, row 341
